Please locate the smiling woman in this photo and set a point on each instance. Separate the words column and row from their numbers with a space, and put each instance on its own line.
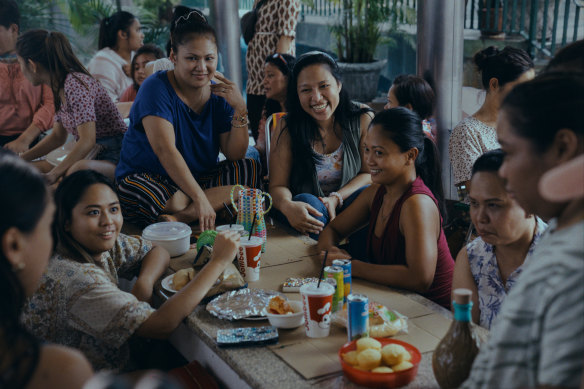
column 179, row 121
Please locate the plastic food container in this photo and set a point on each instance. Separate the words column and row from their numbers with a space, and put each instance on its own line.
column 173, row 236
column 291, row 320
column 381, row 380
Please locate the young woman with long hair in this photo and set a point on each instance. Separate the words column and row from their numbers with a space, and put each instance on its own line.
column 316, row 163
column 120, row 35
column 26, row 242
column 83, row 107
column 82, row 278
column 179, row 122
column 406, row 246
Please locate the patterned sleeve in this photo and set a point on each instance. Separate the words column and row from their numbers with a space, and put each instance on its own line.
column 80, row 100
column 287, row 17
column 464, row 151
column 129, row 252
column 99, row 308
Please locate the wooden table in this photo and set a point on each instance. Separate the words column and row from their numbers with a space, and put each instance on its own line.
column 288, row 254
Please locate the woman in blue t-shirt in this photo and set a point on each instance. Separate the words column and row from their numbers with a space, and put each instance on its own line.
column 168, row 167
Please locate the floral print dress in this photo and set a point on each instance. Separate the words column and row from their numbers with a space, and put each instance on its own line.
column 80, row 305
column 485, row 271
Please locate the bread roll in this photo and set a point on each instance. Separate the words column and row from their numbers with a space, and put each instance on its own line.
column 182, row 277
column 394, row 354
column 402, row 366
column 369, row 359
column 382, row 369
column 366, row 343
column 351, row 358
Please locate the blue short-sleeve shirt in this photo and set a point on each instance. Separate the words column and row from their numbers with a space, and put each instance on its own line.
column 197, row 135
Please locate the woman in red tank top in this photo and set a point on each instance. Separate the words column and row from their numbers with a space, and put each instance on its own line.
column 406, row 247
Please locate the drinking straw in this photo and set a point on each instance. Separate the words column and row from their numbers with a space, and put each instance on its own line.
column 252, row 225
column 322, row 269
column 230, row 213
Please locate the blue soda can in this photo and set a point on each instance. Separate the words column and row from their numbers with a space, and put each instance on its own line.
column 357, row 316
column 346, row 265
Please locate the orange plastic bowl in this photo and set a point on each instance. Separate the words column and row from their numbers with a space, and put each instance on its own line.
column 381, row 380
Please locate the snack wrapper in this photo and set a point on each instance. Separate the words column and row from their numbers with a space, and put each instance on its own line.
column 383, row 322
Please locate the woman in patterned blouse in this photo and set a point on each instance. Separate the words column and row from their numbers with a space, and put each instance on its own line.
column 79, row 303
column 490, row 264
column 82, row 105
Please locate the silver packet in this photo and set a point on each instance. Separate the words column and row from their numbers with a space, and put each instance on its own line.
column 241, row 304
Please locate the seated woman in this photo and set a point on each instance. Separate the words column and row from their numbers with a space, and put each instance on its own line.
column 316, row 164
column 119, row 36
column 277, row 69
column 82, row 278
column 413, row 92
column 83, row 107
column 179, row 121
column 406, row 247
column 490, row 264
column 25, row 233
column 500, row 71
column 144, row 54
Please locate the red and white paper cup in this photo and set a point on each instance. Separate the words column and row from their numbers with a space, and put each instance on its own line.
column 248, row 258
column 317, row 303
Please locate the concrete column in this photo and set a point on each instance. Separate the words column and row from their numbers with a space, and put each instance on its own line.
column 225, row 18
column 440, row 56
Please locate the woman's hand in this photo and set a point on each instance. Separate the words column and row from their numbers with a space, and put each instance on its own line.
column 17, row 146
column 331, row 203
column 230, row 92
column 203, row 211
column 299, row 215
column 51, row 178
column 225, row 247
column 334, row 253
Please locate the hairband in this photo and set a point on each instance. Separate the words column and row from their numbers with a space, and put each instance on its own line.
column 196, row 12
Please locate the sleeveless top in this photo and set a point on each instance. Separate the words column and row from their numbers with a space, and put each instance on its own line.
column 307, row 182
column 390, row 249
column 329, row 170
column 19, row 358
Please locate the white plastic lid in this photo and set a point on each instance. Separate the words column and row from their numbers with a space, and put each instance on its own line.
column 166, row 231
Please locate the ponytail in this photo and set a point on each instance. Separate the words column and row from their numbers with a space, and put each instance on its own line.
column 53, row 52
column 429, row 168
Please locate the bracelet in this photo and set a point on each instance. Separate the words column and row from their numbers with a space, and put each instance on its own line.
column 244, row 124
column 339, row 197
column 242, row 118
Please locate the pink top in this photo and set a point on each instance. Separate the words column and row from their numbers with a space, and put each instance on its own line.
column 129, row 94
column 390, row 249
column 21, row 103
column 87, row 101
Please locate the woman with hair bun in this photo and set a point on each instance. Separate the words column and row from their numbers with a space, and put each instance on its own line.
column 119, row 36
column 180, row 120
column 83, row 107
column 500, row 71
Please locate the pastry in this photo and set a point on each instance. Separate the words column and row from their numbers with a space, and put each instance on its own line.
column 366, row 343
column 369, row 359
column 394, row 354
column 182, row 277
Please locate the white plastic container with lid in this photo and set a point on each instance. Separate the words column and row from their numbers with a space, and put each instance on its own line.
column 173, row 236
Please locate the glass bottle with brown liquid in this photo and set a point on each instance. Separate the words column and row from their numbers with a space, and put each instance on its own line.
column 453, row 358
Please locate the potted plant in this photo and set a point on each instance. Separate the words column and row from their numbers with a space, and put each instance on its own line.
column 359, row 28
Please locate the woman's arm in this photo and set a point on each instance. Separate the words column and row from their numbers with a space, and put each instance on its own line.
column 352, row 218
column 299, row 214
column 60, row 367
column 462, row 278
column 20, row 144
column 161, row 323
column 55, row 139
column 154, row 264
column 420, row 225
column 160, row 134
column 361, row 179
column 82, row 147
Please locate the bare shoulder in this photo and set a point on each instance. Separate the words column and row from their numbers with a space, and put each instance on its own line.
column 60, row 367
column 420, row 208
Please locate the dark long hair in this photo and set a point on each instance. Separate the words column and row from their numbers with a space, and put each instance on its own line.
column 414, row 90
column 284, row 63
column 404, row 128
column 109, row 27
column 53, row 51
column 148, row 48
column 67, row 196
column 188, row 26
column 505, row 65
column 301, row 126
column 23, row 200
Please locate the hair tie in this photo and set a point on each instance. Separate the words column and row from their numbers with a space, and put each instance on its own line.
column 196, row 15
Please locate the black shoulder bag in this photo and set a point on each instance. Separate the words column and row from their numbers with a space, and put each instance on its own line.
column 248, row 22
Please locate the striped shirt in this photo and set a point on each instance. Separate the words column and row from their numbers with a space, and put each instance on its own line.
column 538, row 338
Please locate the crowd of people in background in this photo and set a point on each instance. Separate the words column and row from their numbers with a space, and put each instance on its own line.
column 366, row 186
